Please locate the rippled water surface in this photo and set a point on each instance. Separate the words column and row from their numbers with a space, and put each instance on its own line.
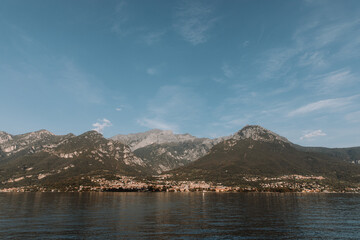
column 179, row 216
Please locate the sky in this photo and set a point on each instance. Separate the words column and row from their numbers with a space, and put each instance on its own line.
column 207, row 68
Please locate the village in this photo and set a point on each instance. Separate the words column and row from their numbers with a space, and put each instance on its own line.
column 160, row 183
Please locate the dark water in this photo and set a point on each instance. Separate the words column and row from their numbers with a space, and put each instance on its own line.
column 179, row 216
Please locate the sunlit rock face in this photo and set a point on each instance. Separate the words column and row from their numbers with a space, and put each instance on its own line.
column 42, row 157
column 258, row 133
column 139, row 140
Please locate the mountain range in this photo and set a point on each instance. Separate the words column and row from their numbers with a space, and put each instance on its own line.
column 255, row 151
column 43, row 159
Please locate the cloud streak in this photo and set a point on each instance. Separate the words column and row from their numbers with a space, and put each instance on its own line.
column 336, row 79
column 153, row 37
column 327, row 104
column 313, row 134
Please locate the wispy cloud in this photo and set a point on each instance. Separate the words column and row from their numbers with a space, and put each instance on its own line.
column 151, row 71
column 231, row 122
column 171, row 107
column 333, row 32
column 120, row 20
column 320, row 31
column 313, row 134
column 157, row 123
column 314, row 59
column 318, row 43
column 122, row 107
column 153, row 37
column 246, row 43
column 80, row 84
column 353, row 117
column 277, row 63
column 101, row 124
column 333, row 80
column 228, row 72
column 327, row 104
column 193, row 21
column 218, row 80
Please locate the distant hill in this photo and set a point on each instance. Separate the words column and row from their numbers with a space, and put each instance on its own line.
column 351, row 154
column 255, row 151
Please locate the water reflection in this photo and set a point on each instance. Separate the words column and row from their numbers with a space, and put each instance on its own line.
column 179, row 215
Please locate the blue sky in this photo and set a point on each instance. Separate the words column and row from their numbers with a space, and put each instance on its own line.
column 206, row 68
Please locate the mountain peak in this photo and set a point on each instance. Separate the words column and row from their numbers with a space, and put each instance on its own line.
column 4, row 137
column 258, row 133
column 92, row 133
column 44, row 132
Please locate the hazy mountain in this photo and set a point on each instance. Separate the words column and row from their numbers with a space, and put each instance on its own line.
column 42, row 158
column 167, row 156
column 351, row 154
column 255, row 151
column 139, row 140
column 162, row 150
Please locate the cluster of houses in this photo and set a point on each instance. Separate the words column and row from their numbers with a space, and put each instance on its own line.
column 161, row 183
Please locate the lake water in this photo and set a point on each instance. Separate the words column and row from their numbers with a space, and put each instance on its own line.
column 179, row 216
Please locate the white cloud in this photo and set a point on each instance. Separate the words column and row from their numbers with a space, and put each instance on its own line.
column 193, row 21
column 313, row 134
column 334, row 103
column 100, row 125
column 118, row 109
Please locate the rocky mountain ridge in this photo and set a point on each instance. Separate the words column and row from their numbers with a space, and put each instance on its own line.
column 44, row 158
column 163, row 150
column 255, row 153
column 258, row 133
column 154, row 136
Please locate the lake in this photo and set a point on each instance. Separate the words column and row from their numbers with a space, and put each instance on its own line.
column 179, row 216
